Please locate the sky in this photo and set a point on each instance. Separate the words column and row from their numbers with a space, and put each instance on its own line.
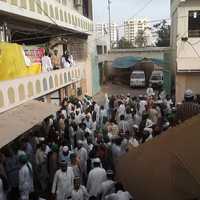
column 126, row 9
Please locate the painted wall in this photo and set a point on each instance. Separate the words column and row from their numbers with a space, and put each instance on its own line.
column 185, row 58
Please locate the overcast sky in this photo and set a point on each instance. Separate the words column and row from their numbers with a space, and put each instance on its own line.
column 125, row 9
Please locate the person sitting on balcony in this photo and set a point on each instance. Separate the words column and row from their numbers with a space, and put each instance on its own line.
column 55, row 59
column 46, row 63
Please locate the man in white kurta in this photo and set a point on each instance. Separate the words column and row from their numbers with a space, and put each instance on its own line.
column 108, row 186
column 96, row 177
column 25, row 178
column 63, row 182
column 79, row 192
column 83, row 156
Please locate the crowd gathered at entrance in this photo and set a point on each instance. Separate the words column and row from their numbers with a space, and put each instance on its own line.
column 74, row 153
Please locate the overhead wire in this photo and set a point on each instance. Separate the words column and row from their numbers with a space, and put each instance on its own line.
column 141, row 9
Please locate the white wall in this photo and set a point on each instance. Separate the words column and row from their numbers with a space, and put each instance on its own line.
column 187, row 56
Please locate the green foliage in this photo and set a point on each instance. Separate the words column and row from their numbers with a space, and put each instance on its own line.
column 141, row 40
column 125, row 44
column 163, row 32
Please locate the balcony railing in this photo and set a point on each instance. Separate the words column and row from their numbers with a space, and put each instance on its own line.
column 49, row 11
column 16, row 92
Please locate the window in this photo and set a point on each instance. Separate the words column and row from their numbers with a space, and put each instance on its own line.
column 99, row 50
column 194, row 24
column 105, row 49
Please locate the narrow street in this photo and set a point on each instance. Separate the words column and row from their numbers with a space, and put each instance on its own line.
column 116, row 89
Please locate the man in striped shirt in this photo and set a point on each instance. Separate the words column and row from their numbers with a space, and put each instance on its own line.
column 188, row 108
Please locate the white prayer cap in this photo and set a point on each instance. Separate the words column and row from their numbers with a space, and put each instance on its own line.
column 96, row 160
column 136, row 126
column 128, row 95
column 41, row 139
column 65, row 148
column 188, row 93
column 80, row 142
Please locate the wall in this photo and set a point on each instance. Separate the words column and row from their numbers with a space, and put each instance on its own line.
column 94, row 64
column 148, row 52
column 185, row 58
column 186, row 81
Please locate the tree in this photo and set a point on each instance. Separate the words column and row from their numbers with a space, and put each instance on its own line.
column 163, row 32
column 141, row 40
column 124, row 44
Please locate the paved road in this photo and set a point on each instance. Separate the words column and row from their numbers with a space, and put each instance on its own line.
column 116, row 89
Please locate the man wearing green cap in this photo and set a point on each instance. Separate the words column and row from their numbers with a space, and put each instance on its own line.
column 25, row 178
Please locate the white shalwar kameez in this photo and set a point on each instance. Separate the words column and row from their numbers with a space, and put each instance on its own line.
column 96, row 177
column 81, row 194
column 25, row 181
column 107, row 188
column 120, row 195
column 63, row 184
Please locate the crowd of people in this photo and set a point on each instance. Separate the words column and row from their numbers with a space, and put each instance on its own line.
column 73, row 154
column 54, row 61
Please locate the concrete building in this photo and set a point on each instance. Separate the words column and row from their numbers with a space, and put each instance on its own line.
column 185, row 41
column 102, row 30
column 133, row 27
column 62, row 25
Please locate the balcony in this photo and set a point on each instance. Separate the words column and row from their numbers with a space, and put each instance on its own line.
column 19, row 91
column 50, row 11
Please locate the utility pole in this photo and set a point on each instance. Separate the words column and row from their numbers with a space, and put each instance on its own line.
column 109, row 11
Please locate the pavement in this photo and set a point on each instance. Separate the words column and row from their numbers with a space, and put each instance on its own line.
column 117, row 89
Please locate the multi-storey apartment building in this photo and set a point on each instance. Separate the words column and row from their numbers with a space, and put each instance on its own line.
column 103, row 29
column 133, row 27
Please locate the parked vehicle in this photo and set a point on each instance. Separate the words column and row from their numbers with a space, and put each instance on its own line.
column 137, row 79
column 157, row 79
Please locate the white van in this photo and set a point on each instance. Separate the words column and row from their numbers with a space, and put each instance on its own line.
column 157, row 79
column 137, row 79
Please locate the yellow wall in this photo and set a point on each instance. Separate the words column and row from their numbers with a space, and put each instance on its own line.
column 12, row 64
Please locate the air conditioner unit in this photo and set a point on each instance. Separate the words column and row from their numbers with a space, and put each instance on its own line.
column 78, row 3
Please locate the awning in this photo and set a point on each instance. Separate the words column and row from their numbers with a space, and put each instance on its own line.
column 168, row 167
column 15, row 122
column 125, row 62
column 129, row 61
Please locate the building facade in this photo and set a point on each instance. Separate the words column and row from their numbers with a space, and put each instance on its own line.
column 102, row 30
column 185, row 42
column 134, row 27
column 56, row 25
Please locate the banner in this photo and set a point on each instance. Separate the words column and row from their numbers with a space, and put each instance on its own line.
column 34, row 53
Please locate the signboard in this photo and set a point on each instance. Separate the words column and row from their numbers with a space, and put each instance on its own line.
column 34, row 53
